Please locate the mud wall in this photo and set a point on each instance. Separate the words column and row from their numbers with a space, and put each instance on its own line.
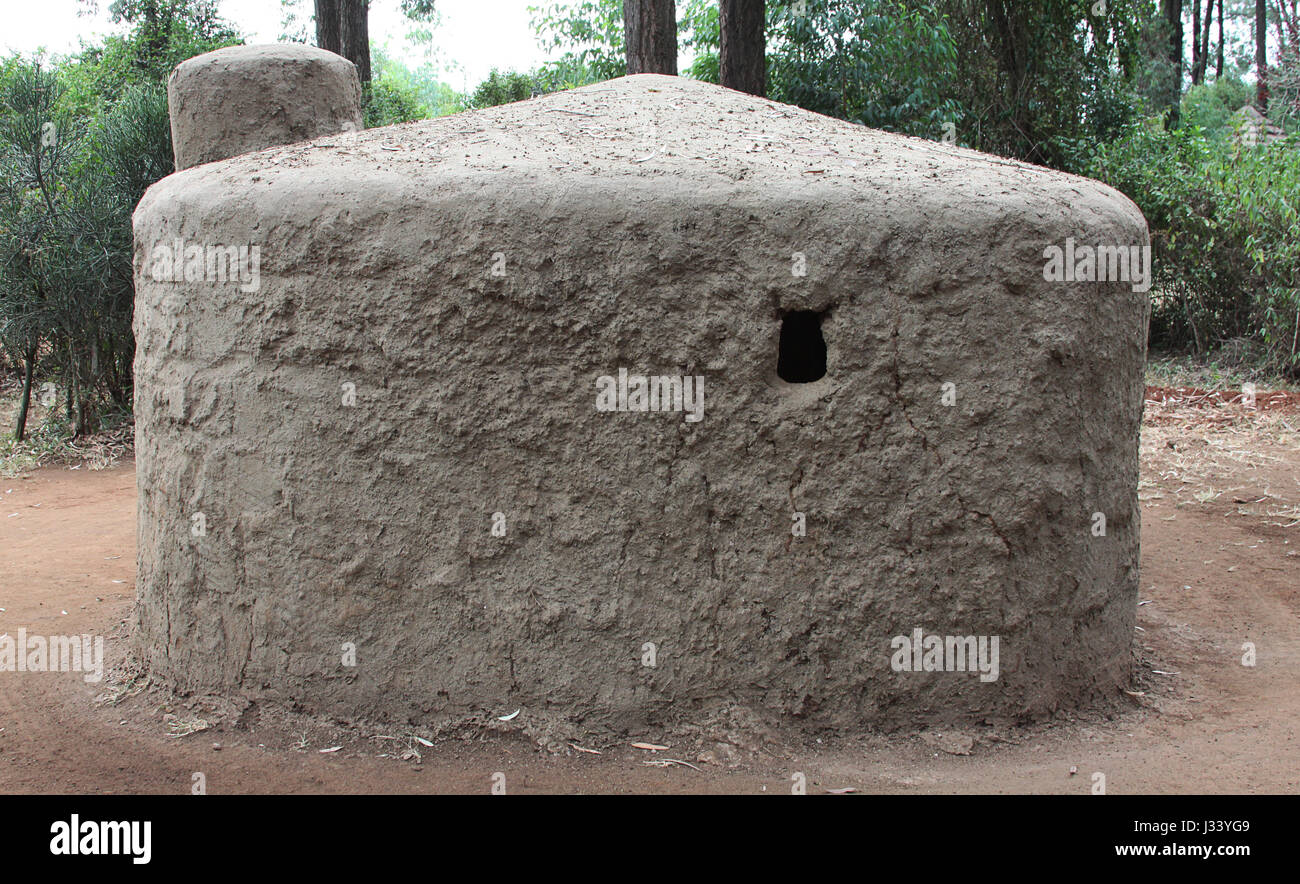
column 394, row 441
column 245, row 98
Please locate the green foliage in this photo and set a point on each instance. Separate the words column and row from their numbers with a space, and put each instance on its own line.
column 394, row 94
column 882, row 63
column 1284, row 82
column 402, row 93
column 1210, row 106
column 134, row 143
column 700, row 33
column 296, row 22
column 162, row 34
column 80, row 143
column 420, row 10
column 1225, row 228
column 591, row 32
column 1044, row 82
column 501, row 88
column 66, row 248
column 39, row 145
column 389, row 102
column 555, row 76
column 1047, row 81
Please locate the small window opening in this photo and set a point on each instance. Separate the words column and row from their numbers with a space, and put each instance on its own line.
column 802, row 355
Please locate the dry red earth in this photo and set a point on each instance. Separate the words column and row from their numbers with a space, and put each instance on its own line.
column 1220, row 499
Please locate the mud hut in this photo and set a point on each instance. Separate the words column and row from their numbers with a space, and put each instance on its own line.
column 634, row 405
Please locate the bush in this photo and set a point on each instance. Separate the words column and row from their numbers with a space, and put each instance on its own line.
column 80, row 142
column 501, row 88
column 70, row 186
column 883, row 64
column 398, row 94
column 1211, row 106
column 1225, row 230
column 388, row 102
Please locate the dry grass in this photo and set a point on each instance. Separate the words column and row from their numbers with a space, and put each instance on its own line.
column 1200, row 448
column 49, row 441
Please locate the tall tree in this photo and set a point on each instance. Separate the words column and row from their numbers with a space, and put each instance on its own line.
column 327, row 26
column 1196, row 41
column 1284, row 76
column 1205, row 38
column 1218, row 69
column 1011, row 37
column 650, row 28
column 354, row 17
column 1173, row 13
column 743, row 57
column 343, row 27
column 1261, row 55
column 1202, row 62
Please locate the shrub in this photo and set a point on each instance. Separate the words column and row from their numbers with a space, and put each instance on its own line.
column 68, row 189
column 388, row 102
column 1225, row 230
column 501, row 88
column 1211, row 106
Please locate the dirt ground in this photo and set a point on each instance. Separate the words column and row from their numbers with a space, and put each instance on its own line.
column 1220, row 495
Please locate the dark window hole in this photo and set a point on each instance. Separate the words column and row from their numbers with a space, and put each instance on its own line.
column 802, row 355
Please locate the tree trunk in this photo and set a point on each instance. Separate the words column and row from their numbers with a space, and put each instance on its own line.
column 650, row 32
column 1205, row 40
column 1012, row 39
column 1289, row 18
column 327, row 26
column 1196, row 41
column 744, row 46
column 29, row 371
column 1218, row 70
column 81, row 428
column 355, row 32
column 1173, row 11
column 1261, row 55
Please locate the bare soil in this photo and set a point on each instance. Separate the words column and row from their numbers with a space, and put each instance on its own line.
column 1220, row 494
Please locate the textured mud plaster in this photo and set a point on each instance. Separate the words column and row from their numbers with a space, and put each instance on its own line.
column 471, row 277
column 245, row 98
